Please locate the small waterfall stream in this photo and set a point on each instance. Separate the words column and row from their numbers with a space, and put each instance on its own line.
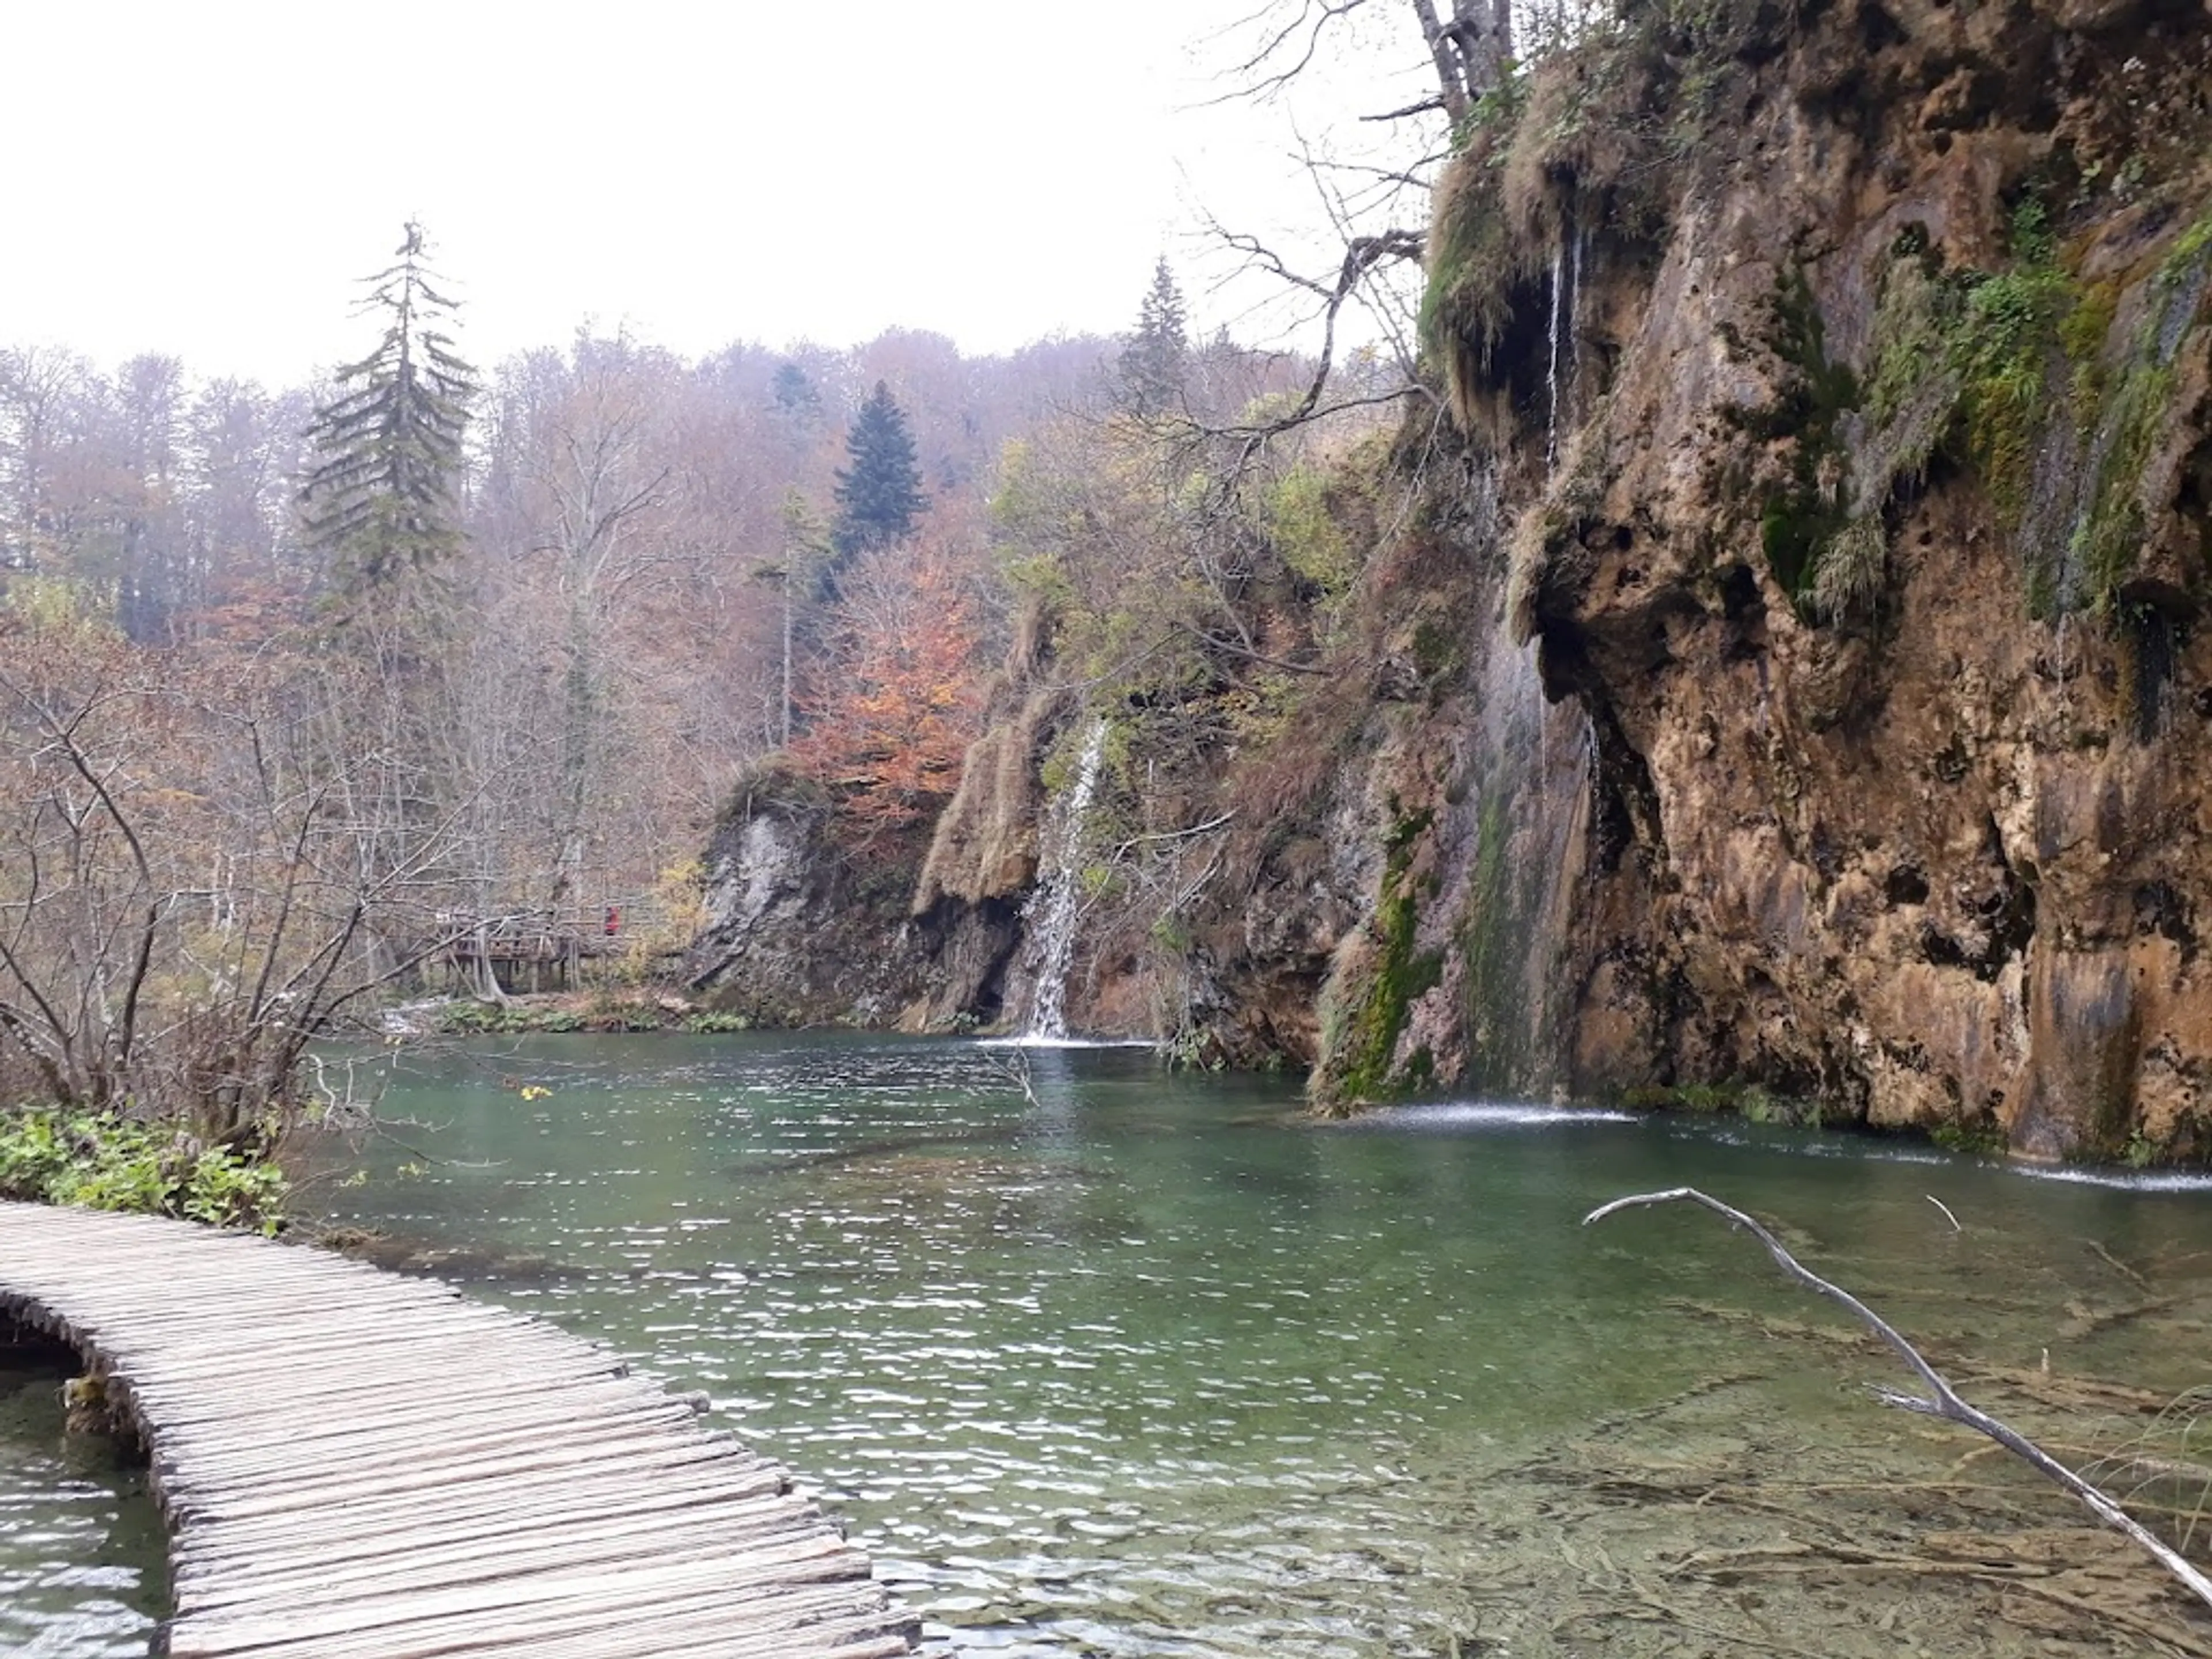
column 1566, row 327
column 1552, row 371
column 1531, row 761
column 1053, row 913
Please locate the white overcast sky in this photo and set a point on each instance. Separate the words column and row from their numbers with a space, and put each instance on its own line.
column 208, row 177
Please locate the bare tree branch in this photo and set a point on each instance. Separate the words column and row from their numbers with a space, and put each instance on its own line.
column 1939, row 1399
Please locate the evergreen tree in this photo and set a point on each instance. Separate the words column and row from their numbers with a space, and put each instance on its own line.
column 378, row 499
column 879, row 494
column 1157, row 357
column 796, row 399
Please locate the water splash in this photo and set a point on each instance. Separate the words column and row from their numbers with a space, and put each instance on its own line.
column 1476, row 1115
column 1053, row 914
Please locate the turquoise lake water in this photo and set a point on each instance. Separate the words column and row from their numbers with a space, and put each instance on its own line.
column 1098, row 1360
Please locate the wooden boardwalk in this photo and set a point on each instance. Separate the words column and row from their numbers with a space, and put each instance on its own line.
column 360, row 1466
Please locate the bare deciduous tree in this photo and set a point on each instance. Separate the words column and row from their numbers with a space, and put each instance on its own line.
column 184, row 906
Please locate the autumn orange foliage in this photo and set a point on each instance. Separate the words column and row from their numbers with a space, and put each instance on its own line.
column 897, row 699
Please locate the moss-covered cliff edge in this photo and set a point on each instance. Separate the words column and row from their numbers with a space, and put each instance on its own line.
column 1783, row 669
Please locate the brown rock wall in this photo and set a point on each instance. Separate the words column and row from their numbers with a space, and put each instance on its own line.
column 1942, row 858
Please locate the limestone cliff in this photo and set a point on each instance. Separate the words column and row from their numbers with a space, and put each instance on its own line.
column 1876, row 550
column 1879, row 552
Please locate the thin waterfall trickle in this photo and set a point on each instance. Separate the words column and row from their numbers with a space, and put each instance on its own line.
column 1552, row 373
column 1053, row 912
column 1575, row 309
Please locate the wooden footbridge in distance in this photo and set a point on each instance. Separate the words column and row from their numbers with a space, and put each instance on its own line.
column 360, row 1466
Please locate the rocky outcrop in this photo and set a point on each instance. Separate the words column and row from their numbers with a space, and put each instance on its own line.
column 806, row 927
column 798, row 930
column 1878, row 558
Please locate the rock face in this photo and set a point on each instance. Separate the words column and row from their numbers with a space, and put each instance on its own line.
column 1786, row 669
column 796, row 934
column 802, row 929
column 1879, row 557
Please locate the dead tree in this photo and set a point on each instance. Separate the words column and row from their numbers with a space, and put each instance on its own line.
column 1374, row 210
column 1939, row 1399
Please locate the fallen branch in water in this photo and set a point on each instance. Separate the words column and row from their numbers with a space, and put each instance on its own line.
column 1940, row 1400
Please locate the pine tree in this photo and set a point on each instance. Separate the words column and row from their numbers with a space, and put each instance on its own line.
column 1154, row 361
column 378, row 500
column 879, row 494
column 794, row 395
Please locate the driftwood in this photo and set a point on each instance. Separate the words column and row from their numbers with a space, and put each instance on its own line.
column 1939, row 1399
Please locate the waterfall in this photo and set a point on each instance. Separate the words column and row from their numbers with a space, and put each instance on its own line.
column 1551, row 374
column 1051, row 913
column 1575, row 309
column 1530, row 760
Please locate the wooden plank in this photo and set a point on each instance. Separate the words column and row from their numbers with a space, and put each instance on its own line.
column 549, row 1598
column 335, row 1495
column 270, row 1465
column 276, row 1402
column 653, row 1456
column 244, row 1456
column 238, row 1546
column 533, row 1552
column 458, row 1554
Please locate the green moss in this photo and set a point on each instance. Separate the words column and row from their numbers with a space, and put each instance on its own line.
column 1472, row 265
column 2189, row 252
column 1979, row 1140
column 1402, row 974
column 2011, row 325
column 1970, row 353
column 716, row 1023
column 2130, row 414
column 1439, row 649
column 1496, row 993
column 1751, row 1101
column 602, row 1013
column 1913, row 323
column 2108, row 536
column 1797, row 524
column 2082, row 334
column 1698, row 1099
column 1759, row 1105
column 1980, row 363
column 505, row 1019
column 1368, row 1038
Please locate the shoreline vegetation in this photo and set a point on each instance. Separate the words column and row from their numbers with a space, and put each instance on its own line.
column 107, row 1160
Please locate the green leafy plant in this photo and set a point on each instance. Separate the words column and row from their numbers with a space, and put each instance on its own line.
column 107, row 1161
column 717, row 1022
